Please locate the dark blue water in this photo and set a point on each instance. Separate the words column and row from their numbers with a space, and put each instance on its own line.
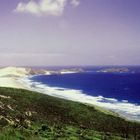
column 121, row 86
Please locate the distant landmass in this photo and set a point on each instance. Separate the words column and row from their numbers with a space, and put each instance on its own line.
column 112, row 70
column 21, row 71
column 11, row 76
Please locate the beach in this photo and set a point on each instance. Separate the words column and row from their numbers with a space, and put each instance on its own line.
column 12, row 83
column 21, row 78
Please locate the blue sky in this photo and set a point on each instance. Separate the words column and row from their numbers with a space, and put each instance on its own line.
column 69, row 32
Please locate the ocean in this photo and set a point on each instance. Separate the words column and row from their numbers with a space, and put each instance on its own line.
column 115, row 90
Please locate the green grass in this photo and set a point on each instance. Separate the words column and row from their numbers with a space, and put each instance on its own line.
column 26, row 115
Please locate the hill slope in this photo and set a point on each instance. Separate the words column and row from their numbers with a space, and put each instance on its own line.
column 30, row 115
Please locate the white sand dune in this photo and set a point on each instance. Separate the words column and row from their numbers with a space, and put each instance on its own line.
column 10, row 82
column 14, row 71
column 9, row 77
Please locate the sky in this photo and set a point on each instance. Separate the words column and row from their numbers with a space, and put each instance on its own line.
column 69, row 32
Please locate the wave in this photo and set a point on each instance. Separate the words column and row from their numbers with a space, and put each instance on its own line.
column 123, row 108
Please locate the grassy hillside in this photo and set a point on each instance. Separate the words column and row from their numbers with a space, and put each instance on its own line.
column 26, row 115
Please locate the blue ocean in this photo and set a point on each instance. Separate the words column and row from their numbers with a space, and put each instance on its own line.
column 123, row 86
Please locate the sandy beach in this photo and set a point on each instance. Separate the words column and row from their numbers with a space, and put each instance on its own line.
column 11, row 82
column 11, row 77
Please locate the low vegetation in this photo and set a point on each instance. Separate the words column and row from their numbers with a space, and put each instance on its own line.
column 26, row 115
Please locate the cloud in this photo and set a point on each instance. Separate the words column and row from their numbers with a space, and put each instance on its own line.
column 75, row 2
column 44, row 7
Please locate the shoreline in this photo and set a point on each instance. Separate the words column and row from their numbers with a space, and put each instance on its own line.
column 124, row 109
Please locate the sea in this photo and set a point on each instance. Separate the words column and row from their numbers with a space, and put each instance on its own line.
column 103, row 86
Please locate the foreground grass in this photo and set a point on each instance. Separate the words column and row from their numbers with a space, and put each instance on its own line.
column 26, row 115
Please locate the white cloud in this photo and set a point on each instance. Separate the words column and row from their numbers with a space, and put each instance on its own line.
column 44, row 7
column 75, row 2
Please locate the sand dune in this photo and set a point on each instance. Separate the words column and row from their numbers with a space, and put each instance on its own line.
column 10, row 77
column 14, row 72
